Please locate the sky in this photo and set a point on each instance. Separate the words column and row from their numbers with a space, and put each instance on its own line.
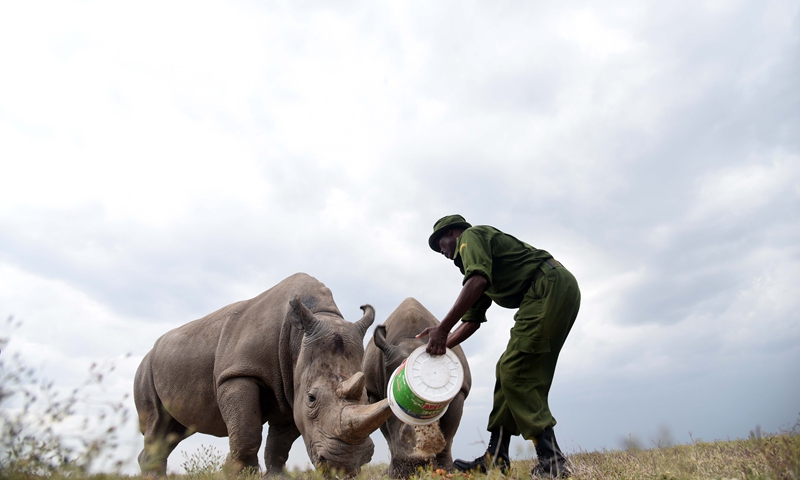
column 160, row 160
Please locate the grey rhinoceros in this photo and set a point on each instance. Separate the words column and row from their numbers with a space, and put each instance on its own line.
column 421, row 446
column 286, row 358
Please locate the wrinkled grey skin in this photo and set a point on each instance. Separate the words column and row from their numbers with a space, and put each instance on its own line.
column 392, row 342
column 286, row 358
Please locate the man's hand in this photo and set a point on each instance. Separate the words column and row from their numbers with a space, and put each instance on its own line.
column 437, row 340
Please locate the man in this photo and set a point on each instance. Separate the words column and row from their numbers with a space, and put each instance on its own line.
column 498, row 267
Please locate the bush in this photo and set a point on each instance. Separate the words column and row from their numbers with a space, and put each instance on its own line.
column 43, row 431
column 206, row 463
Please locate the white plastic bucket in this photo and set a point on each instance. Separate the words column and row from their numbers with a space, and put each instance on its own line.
column 421, row 388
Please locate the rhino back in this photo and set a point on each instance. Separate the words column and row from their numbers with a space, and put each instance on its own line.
column 182, row 366
column 407, row 320
column 245, row 339
column 257, row 341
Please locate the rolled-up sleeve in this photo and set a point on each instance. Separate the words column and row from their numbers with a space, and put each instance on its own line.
column 476, row 256
column 477, row 313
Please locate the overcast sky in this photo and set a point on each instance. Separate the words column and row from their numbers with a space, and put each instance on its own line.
column 163, row 159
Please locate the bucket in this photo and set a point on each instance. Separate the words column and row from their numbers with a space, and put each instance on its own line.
column 421, row 388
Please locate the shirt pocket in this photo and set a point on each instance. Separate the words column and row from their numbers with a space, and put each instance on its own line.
column 525, row 359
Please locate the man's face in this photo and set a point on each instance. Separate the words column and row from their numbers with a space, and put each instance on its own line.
column 447, row 245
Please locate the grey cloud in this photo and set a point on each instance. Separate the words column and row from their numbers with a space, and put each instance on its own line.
column 621, row 169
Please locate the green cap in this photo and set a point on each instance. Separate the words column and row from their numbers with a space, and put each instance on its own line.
column 441, row 225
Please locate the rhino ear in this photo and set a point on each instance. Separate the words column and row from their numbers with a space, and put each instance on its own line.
column 379, row 336
column 366, row 320
column 301, row 317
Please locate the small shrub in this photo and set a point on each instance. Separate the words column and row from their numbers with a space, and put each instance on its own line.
column 205, row 463
column 41, row 432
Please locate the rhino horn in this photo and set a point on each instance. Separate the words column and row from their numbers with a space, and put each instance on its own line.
column 301, row 317
column 352, row 388
column 359, row 421
column 365, row 322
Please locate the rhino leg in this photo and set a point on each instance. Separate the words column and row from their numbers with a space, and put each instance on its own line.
column 161, row 431
column 449, row 424
column 162, row 434
column 240, row 406
column 279, row 441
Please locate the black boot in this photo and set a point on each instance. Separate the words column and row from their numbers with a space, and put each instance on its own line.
column 496, row 456
column 552, row 462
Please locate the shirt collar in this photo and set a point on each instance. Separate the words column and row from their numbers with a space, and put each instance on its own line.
column 457, row 257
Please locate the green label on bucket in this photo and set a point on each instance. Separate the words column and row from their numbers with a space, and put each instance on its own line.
column 408, row 401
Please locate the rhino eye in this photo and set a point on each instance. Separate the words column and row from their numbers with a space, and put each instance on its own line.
column 312, row 398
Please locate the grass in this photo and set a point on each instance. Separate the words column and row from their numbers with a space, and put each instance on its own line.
column 765, row 457
column 770, row 457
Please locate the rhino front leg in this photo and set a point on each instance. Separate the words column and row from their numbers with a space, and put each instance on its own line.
column 444, row 459
column 280, row 438
column 449, row 425
column 240, row 406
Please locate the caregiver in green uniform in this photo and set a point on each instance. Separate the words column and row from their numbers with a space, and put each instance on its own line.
column 499, row 268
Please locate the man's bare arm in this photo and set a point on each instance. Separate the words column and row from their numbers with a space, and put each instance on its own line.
column 463, row 332
column 470, row 293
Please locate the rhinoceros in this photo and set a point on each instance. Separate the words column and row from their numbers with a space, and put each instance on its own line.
column 421, row 446
column 286, row 358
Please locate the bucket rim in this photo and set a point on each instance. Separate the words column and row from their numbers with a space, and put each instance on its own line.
column 404, row 417
column 454, row 364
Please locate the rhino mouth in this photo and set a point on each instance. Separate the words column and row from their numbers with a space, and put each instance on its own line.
column 339, row 458
column 330, row 470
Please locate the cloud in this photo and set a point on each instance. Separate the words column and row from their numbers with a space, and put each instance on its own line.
column 160, row 162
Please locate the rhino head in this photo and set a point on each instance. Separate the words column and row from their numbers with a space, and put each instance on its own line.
column 403, row 442
column 330, row 402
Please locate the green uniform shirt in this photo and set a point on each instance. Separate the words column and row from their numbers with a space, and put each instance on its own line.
column 507, row 264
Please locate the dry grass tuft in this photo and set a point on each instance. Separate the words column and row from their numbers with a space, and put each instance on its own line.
column 773, row 457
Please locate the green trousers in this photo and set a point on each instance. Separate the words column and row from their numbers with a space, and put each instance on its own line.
column 525, row 370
